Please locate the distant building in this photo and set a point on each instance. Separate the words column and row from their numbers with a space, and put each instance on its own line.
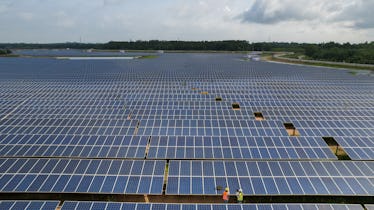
column 254, row 56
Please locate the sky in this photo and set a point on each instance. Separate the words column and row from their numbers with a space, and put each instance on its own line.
column 99, row 21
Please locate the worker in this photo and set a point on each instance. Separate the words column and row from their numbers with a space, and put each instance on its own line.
column 239, row 196
column 226, row 195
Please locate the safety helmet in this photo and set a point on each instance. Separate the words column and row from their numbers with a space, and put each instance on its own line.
column 240, row 190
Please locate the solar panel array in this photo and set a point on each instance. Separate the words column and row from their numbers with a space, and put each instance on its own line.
column 171, row 206
column 16, row 205
column 83, row 146
column 182, row 147
column 271, row 177
column 82, row 176
column 358, row 148
column 110, row 126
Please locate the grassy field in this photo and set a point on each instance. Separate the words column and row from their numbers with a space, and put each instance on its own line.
column 317, row 63
column 147, row 57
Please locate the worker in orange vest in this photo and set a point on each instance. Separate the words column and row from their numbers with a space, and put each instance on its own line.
column 226, row 195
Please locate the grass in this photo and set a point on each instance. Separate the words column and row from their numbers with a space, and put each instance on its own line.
column 9, row 55
column 317, row 63
column 294, row 56
column 147, row 57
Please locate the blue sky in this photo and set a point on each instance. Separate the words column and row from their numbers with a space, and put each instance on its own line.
column 45, row 21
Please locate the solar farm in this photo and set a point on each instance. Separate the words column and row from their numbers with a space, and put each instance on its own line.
column 173, row 132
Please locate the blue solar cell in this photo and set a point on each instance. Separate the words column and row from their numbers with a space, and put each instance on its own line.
column 132, row 185
column 108, row 184
column 20, row 205
column 173, row 207
column 270, row 186
column 196, row 168
column 98, row 206
column 63, row 180
column 185, row 185
column 307, row 186
column 104, row 167
column 159, row 206
column 113, row 206
column 6, row 204
column 137, row 168
column 42, row 205
column 367, row 184
column 144, row 184
column 25, row 183
column 73, row 183
column 120, row 185
column 219, row 168
column 188, row 207
column 49, row 183
column 96, row 184
column 78, row 205
column 157, row 183
column 209, row 186
column 197, row 185
column 142, row 206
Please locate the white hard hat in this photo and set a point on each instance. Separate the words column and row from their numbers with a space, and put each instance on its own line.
column 240, row 190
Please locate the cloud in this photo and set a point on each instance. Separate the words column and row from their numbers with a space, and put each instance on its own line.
column 113, row 2
column 27, row 16
column 104, row 20
column 275, row 11
column 347, row 13
column 359, row 13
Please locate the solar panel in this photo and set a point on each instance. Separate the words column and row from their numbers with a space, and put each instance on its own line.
column 15, row 205
column 85, row 146
column 369, row 206
column 172, row 206
column 358, row 148
column 82, row 176
column 182, row 147
column 271, row 177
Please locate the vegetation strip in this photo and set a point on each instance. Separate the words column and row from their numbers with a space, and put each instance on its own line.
column 319, row 63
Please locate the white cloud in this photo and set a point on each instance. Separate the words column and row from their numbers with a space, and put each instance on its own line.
column 351, row 13
column 359, row 13
column 28, row 16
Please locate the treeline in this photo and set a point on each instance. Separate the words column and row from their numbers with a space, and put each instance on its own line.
column 234, row 45
column 350, row 53
column 5, row 51
column 331, row 51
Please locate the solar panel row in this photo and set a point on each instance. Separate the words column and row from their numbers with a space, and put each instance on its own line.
column 170, row 147
column 95, row 205
column 358, row 148
column 82, row 176
column 312, row 108
column 73, row 146
column 17, row 205
column 164, row 147
column 171, row 206
column 211, row 128
column 271, row 177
